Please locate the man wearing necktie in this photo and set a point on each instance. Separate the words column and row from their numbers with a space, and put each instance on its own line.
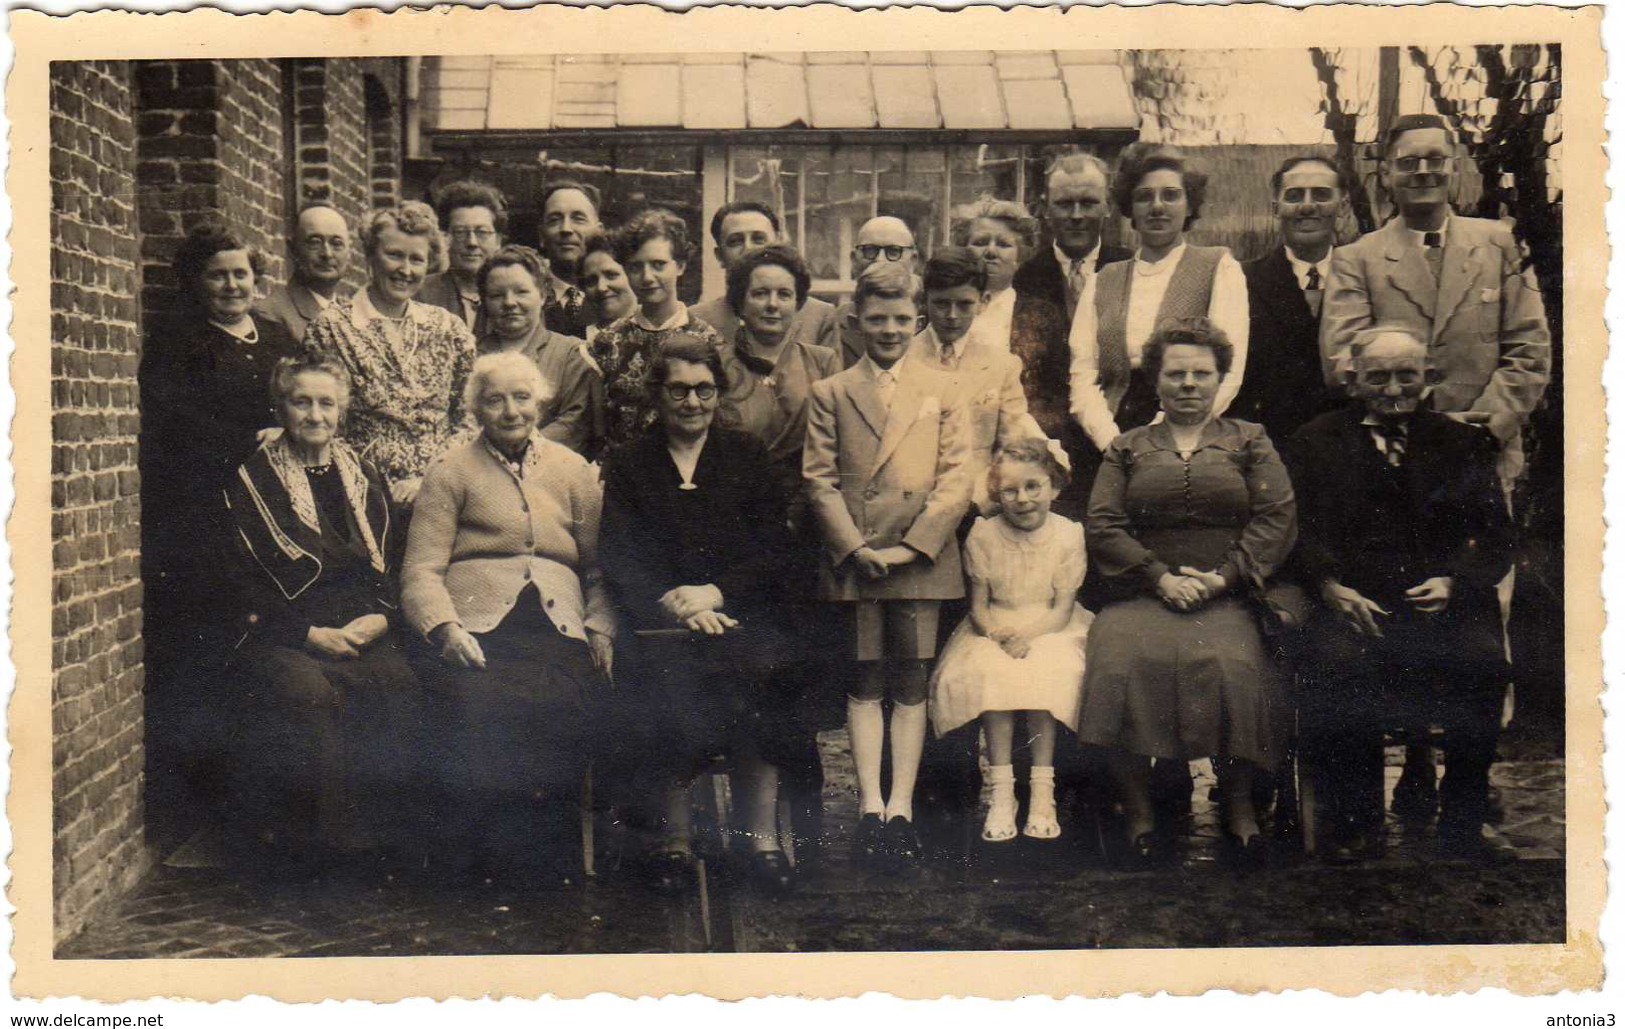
column 1403, row 535
column 1283, row 385
column 1459, row 284
column 569, row 218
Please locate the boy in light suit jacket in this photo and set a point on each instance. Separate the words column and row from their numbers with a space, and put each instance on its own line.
column 887, row 480
column 986, row 381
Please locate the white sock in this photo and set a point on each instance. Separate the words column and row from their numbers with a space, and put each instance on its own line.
column 866, row 724
column 907, row 744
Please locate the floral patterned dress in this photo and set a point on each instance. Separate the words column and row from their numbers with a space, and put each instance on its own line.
column 622, row 352
column 406, row 392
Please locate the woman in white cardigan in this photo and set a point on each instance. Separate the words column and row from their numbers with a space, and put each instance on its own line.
column 501, row 579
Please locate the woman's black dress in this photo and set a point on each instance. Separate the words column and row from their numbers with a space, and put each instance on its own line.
column 692, row 697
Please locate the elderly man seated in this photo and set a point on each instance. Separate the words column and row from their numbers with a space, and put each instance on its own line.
column 1403, row 534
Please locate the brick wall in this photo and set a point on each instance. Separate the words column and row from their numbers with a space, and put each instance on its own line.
column 96, row 682
column 385, row 147
column 210, row 144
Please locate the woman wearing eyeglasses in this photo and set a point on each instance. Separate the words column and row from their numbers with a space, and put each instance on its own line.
column 1169, row 278
column 475, row 216
column 694, row 550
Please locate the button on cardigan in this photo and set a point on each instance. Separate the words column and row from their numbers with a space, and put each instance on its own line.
column 480, row 534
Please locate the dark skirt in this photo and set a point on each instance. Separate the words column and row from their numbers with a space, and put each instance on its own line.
column 327, row 750
column 523, row 725
column 693, row 698
column 1167, row 684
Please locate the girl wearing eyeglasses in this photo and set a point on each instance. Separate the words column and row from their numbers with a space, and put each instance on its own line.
column 1169, row 278
column 694, row 551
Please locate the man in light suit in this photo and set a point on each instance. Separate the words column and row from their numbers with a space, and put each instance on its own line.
column 883, row 238
column 886, row 480
column 321, row 253
column 1459, row 284
column 1077, row 199
column 738, row 229
column 1283, row 385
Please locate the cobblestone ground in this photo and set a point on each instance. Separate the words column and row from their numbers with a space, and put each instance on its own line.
column 1017, row 896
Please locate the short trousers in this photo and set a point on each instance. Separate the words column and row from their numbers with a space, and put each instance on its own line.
column 898, row 630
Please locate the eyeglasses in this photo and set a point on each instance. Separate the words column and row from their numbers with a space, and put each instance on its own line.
column 317, row 244
column 1309, row 195
column 482, row 234
column 1168, row 195
column 680, row 391
column 870, row 252
column 1412, row 165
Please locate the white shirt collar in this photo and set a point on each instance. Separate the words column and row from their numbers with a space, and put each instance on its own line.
column 558, row 286
column 676, row 321
column 933, row 344
column 1169, row 262
column 1419, row 239
column 1300, row 267
column 1065, row 260
column 362, row 310
column 875, row 371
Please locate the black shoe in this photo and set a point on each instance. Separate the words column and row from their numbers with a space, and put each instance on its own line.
column 1355, row 847
column 1475, row 846
column 1146, row 851
column 869, row 842
column 770, row 872
column 902, row 842
column 671, row 871
column 1251, row 856
column 1416, row 795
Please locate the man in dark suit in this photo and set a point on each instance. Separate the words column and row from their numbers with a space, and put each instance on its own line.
column 569, row 218
column 474, row 217
column 321, row 253
column 1077, row 192
column 1283, row 385
column 1403, row 535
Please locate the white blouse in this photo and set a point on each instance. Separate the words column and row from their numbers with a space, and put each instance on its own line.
column 1227, row 309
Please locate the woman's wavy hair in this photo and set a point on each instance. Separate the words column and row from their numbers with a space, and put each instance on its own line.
column 513, row 255
column 1187, row 332
column 778, row 255
column 1141, row 159
column 203, row 242
column 290, row 368
column 414, row 218
column 1008, row 212
column 684, row 346
column 655, row 223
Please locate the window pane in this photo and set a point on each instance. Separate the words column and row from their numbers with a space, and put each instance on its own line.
column 840, row 198
column 771, row 176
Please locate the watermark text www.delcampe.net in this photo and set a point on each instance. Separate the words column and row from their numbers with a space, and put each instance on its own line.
column 89, row 1021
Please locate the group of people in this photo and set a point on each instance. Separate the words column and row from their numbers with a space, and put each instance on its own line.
column 532, row 511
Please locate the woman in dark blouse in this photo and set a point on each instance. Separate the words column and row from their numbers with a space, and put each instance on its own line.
column 328, row 707
column 1187, row 515
column 693, row 549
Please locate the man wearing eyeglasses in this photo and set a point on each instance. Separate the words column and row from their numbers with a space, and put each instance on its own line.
column 741, row 228
column 879, row 239
column 320, row 253
column 1459, row 284
column 474, row 216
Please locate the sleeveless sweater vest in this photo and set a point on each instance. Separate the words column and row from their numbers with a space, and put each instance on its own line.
column 1190, row 290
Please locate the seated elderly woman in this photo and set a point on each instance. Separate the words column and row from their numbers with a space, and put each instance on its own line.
column 328, row 709
column 510, row 285
column 501, row 578
column 407, row 360
column 694, row 547
column 1186, row 517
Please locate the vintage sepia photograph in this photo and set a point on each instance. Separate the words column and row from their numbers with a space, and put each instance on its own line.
column 562, row 500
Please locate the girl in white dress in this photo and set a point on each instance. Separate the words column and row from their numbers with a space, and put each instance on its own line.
column 1021, row 647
